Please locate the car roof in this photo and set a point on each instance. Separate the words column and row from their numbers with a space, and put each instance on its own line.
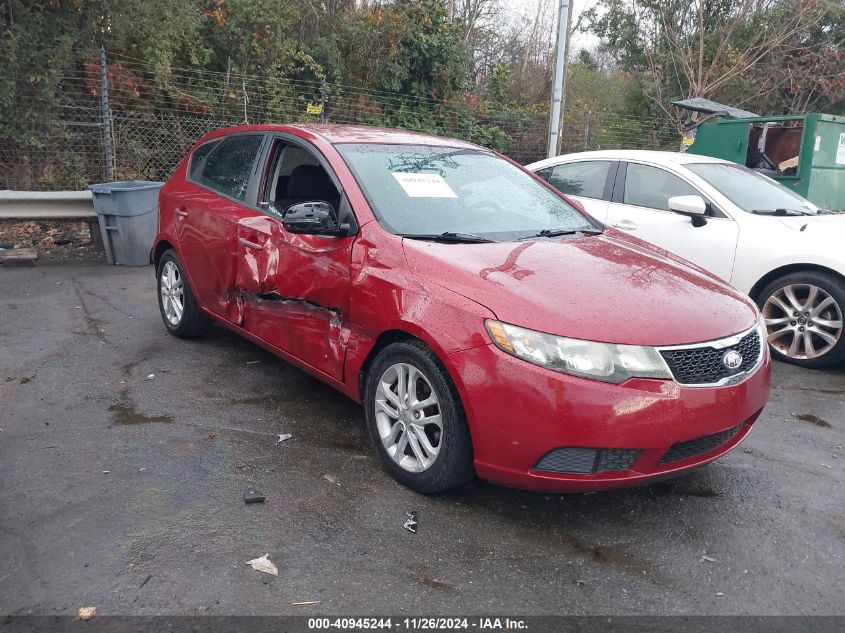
column 650, row 156
column 336, row 134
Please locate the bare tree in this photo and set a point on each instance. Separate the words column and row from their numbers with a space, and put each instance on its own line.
column 712, row 49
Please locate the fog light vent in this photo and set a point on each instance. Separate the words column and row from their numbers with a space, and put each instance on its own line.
column 569, row 460
column 698, row 446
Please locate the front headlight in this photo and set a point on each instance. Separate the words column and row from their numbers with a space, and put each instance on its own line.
column 607, row 362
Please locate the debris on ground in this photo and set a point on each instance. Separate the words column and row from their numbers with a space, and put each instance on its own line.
column 283, row 437
column 580, row 583
column 825, row 465
column 263, row 564
column 53, row 239
column 150, row 377
column 145, row 581
column 411, row 522
column 252, row 362
column 18, row 257
column 300, row 604
column 86, row 613
column 707, row 559
column 140, row 470
column 331, row 479
column 106, row 472
column 253, row 496
column 720, row 594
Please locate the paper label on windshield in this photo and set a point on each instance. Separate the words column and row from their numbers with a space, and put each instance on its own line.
column 424, row 185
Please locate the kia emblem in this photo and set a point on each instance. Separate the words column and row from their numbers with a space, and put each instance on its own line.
column 732, row 359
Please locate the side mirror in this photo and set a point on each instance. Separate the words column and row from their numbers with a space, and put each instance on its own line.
column 692, row 206
column 314, row 218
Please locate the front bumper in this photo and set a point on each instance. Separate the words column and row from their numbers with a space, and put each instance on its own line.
column 518, row 413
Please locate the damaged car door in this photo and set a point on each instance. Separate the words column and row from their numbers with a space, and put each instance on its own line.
column 222, row 185
column 293, row 273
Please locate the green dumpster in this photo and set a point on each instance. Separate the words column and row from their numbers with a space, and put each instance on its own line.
column 803, row 152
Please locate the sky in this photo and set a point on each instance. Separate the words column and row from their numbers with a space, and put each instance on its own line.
column 579, row 40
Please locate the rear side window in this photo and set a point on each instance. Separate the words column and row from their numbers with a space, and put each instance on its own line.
column 198, row 158
column 229, row 167
column 585, row 179
column 652, row 187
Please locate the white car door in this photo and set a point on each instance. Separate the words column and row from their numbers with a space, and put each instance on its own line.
column 640, row 207
column 587, row 181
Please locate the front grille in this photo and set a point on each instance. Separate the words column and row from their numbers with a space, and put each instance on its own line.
column 703, row 365
column 585, row 461
column 698, row 446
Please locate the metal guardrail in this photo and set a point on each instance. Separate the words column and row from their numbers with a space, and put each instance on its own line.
column 47, row 205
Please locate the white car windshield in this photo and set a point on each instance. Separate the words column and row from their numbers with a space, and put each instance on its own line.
column 418, row 191
column 749, row 190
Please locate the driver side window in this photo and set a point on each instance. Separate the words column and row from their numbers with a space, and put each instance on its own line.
column 295, row 175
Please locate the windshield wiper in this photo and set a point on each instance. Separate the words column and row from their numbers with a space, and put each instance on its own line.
column 448, row 236
column 781, row 212
column 559, row 232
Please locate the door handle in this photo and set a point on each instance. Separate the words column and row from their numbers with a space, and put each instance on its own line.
column 249, row 244
column 625, row 225
column 180, row 211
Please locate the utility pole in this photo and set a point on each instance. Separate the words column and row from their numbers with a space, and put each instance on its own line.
column 108, row 148
column 559, row 79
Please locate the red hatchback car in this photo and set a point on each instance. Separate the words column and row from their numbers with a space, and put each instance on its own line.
column 487, row 324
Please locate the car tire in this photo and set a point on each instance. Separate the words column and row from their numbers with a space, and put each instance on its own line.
column 403, row 425
column 176, row 302
column 805, row 310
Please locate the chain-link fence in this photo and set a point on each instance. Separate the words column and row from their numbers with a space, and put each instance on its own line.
column 155, row 114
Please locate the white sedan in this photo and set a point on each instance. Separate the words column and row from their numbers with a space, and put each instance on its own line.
column 769, row 242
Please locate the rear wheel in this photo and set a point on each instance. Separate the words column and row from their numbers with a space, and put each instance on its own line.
column 415, row 419
column 179, row 310
column 803, row 313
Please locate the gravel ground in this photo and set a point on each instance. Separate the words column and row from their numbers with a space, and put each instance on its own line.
column 124, row 455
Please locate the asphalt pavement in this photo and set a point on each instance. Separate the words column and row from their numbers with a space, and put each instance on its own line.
column 125, row 453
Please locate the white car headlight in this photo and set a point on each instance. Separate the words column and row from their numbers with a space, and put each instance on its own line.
column 607, row 362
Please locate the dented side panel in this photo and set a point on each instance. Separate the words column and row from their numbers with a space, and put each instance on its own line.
column 386, row 296
column 294, row 291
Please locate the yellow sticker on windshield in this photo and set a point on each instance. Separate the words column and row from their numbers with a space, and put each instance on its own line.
column 424, row 185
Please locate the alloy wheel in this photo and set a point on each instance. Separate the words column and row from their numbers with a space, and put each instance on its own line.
column 803, row 321
column 172, row 293
column 408, row 417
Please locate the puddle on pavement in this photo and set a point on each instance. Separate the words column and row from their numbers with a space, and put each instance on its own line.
column 127, row 369
column 535, row 520
column 814, row 419
column 126, row 413
column 436, row 584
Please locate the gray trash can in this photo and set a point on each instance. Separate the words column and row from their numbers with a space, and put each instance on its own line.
column 128, row 215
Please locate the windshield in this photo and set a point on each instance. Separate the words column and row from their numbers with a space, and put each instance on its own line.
column 749, row 190
column 422, row 190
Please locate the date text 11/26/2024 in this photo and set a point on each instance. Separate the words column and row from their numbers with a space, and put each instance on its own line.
column 419, row 624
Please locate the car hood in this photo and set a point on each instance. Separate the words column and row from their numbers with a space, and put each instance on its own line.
column 599, row 288
column 816, row 224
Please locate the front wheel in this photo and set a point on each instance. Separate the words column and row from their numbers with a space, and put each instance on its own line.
column 179, row 310
column 803, row 313
column 415, row 419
